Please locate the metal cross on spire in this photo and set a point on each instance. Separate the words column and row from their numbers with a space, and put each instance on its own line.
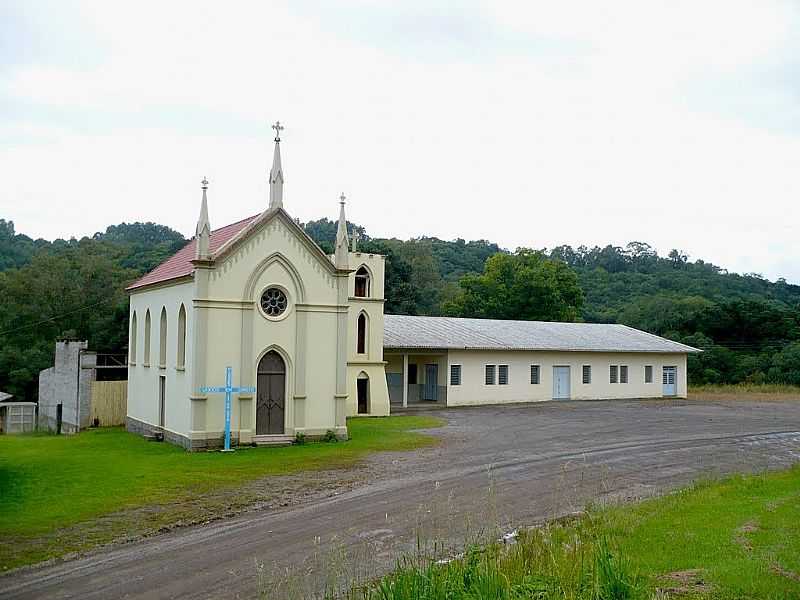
column 278, row 128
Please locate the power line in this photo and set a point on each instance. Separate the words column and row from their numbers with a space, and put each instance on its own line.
column 56, row 317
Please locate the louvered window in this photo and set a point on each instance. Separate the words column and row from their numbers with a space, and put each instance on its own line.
column 623, row 374
column 648, row 374
column 587, row 374
column 502, row 375
column 489, row 374
column 534, row 374
column 455, row 374
column 613, row 374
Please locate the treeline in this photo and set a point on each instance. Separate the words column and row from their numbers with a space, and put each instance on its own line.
column 748, row 327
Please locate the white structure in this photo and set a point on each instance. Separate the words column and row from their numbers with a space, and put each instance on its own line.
column 457, row 362
column 307, row 331
column 16, row 417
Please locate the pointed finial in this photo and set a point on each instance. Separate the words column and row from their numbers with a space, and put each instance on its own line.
column 342, row 243
column 204, row 183
column 354, row 242
column 278, row 128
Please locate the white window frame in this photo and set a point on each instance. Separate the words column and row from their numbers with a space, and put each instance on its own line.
column 648, row 369
column 623, row 373
column 536, row 374
column 613, row 374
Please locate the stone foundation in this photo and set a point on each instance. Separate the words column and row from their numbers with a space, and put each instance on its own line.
column 213, row 442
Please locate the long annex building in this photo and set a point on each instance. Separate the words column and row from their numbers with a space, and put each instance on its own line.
column 307, row 342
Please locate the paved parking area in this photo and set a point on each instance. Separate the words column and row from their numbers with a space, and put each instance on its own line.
column 510, row 465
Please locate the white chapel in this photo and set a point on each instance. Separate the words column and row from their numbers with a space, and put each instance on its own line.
column 260, row 296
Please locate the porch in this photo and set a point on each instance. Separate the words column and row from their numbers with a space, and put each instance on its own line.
column 416, row 380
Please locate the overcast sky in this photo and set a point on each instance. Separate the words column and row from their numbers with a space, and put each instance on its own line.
column 675, row 123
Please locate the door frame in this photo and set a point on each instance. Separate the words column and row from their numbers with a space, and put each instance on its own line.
column 664, row 370
column 162, row 401
column 365, row 378
column 434, row 386
column 569, row 382
column 288, row 391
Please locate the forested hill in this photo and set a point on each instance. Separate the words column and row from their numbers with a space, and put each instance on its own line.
column 749, row 327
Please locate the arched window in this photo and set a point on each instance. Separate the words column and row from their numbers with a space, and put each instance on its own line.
column 147, row 338
column 362, row 282
column 361, row 341
column 181, row 360
column 132, row 345
column 162, row 340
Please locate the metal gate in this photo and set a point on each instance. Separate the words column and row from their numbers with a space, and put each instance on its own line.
column 560, row 383
column 669, row 379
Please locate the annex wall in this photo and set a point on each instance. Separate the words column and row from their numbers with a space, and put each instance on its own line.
column 473, row 389
column 143, row 377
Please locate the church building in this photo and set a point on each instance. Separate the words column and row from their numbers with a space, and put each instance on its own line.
column 308, row 344
column 260, row 296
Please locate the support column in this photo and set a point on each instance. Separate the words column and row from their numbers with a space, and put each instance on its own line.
column 405, row 380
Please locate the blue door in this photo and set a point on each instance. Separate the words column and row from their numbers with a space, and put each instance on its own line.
column 431, row 389
column 670, row 381
column 561, row 383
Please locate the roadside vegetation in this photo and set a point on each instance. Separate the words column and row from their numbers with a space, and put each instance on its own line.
column 54, row 490
column 734, row 539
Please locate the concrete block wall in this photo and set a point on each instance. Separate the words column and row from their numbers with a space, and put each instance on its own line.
column 70, row 384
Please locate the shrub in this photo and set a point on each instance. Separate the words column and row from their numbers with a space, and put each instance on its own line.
column 300, row 438
column 330, row 436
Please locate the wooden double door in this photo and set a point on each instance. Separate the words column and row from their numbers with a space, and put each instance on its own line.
column 271, row 395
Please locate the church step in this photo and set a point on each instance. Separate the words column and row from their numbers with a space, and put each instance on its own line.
column 273, row 440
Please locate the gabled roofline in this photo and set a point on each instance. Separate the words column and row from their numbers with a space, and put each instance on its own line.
column 263, row 219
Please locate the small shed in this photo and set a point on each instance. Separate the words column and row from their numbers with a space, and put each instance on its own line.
column 16, row 417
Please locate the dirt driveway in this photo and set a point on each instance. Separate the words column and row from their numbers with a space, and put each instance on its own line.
column 499, row 465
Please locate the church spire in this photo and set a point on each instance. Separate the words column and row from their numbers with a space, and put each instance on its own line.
column 276, row 173
column 340, row 258
column 203, row 231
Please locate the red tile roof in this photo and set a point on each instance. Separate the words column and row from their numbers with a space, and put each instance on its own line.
column 180, row 263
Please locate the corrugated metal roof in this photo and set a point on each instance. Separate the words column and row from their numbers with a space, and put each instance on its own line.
column 401, row 331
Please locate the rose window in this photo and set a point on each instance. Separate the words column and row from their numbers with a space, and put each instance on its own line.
column 273, row 302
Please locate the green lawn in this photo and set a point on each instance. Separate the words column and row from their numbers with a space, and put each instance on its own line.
column 734, row 539
column 49, row 482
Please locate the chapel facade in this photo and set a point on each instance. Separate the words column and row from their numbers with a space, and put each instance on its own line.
column 303, row 329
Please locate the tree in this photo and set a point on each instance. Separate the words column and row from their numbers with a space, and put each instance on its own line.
column 79, row 288
column 525, row 285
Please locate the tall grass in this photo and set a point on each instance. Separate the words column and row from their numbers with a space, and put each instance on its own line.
column 565, row 560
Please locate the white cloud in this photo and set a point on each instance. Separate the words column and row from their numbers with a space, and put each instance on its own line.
column 594, row 143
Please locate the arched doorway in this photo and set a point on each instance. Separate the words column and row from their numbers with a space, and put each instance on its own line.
column 271, row 394
column 362, row 390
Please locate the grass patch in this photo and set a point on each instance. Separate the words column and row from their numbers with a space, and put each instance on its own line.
column 745, row 390
column 48, row 482
column 735, row 539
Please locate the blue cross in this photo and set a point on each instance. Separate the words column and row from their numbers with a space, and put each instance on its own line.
column 228, row 390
